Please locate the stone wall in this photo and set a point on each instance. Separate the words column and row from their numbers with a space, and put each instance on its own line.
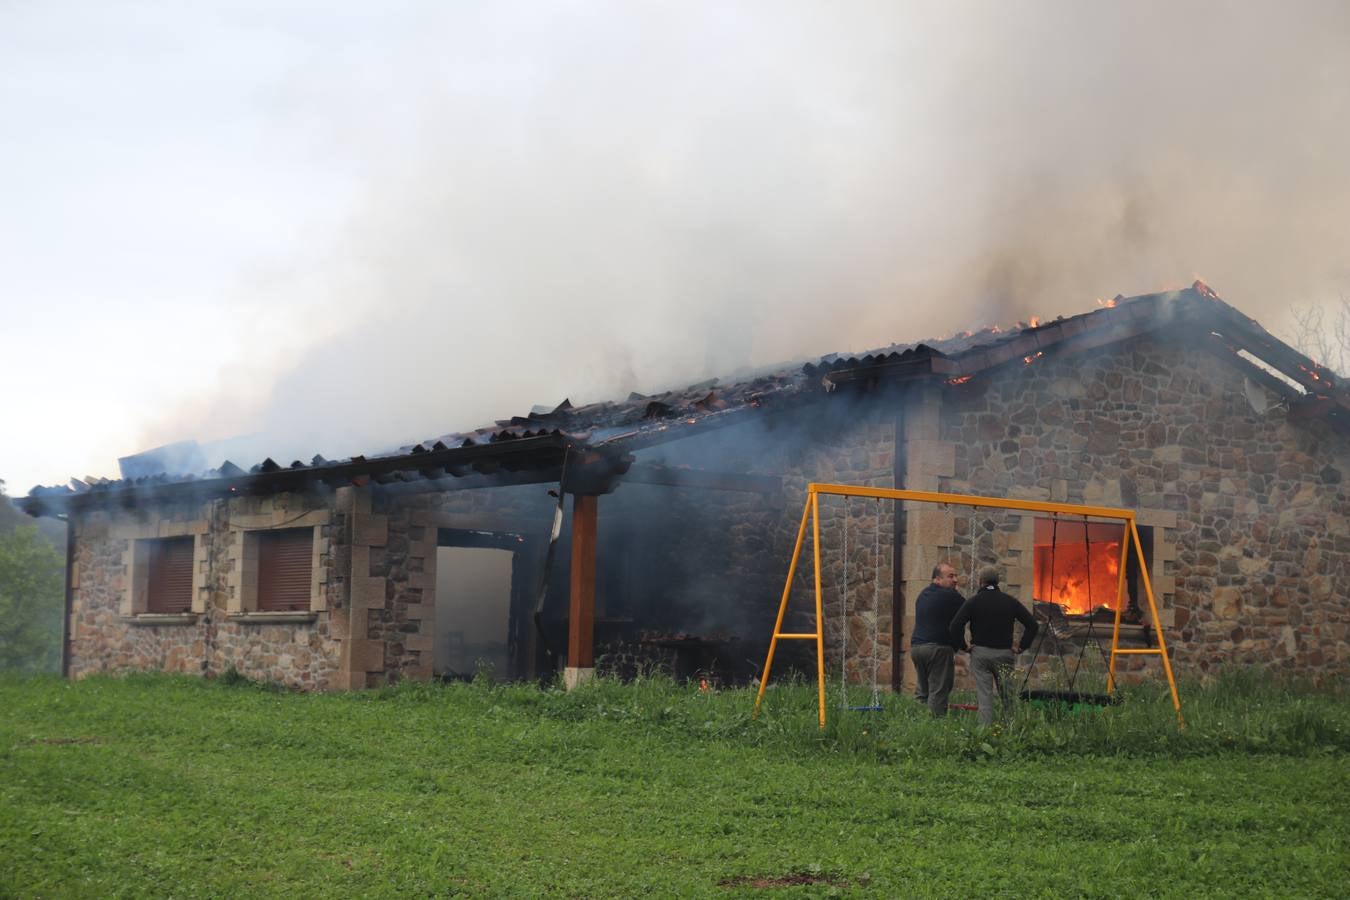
column 107, row 634
column 1249, row 511
column 394, row 569
column 725, row 554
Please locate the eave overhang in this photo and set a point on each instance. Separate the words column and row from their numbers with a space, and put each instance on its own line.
column 510, row 461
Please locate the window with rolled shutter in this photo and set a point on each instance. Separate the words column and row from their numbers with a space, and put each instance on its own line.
column 169, row 585
column 284, row 560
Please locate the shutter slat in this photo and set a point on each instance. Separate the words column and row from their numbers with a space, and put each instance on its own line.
column 284, row 569
column 169, row 587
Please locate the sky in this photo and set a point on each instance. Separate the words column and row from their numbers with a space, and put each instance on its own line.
column 293, row 228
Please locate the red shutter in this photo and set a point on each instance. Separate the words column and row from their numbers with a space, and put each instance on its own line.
column 284, row 569
column 169, row 587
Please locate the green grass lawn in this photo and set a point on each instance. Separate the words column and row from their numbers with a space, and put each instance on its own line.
column 154, row 785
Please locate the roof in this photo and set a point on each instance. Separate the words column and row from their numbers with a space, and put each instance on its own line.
column 538, row 446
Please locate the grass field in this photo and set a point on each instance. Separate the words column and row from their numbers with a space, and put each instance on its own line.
column 154, row 785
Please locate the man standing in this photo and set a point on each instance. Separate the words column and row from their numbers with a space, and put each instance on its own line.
column 991, row 614
column 932, row 647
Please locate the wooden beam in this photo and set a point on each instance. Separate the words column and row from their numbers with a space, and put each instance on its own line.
column 680, row 476
column 581, row 615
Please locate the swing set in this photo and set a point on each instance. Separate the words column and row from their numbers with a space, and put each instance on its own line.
column 811, row 514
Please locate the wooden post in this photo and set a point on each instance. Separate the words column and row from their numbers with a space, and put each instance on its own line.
column 581, row 616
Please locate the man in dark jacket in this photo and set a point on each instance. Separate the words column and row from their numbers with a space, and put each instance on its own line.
column 991, row 614
column 932, row 647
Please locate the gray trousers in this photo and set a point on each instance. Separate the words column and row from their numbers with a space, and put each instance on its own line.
column 993, row 671
column 934, row 672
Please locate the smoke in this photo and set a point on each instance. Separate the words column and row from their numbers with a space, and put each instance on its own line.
column 560, row 199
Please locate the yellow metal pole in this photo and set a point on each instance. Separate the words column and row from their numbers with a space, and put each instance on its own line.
column 782, row 606
column 1120, row 605
column 812, row 510
column 845, row 490
column 1157, row 623
column 820, row 620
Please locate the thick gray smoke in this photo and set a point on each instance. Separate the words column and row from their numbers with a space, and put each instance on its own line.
column 578, row 200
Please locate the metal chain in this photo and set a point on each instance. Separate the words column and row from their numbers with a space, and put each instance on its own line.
column 843, row 631
column 974, row 550
column 876, row 600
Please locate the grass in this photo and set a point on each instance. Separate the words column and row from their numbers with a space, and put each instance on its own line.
column 157, row 785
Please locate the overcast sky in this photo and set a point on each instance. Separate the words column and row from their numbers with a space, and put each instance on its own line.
column 341, row 227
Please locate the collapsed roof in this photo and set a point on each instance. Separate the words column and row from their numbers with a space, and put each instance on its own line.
column 601, row 437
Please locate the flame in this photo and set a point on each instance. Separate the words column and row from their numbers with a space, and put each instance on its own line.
column 961, row 379
column 1203, row 289
column 1035, row 321
column 1070, row 562
column 994, row 329
column 1028, row 360
column 1106, row 304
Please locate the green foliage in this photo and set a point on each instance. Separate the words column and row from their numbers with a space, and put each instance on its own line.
column 158, row 785
column 32, row 593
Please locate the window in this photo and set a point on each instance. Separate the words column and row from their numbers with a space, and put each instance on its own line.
column 285, row 569
column 168, row 587
column 166, row 580
column 1077, row 565
column 277, row 573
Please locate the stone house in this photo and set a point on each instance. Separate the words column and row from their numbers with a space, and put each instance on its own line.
column 657, row 530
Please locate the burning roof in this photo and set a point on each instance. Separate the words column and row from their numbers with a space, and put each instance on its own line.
column 535, row 447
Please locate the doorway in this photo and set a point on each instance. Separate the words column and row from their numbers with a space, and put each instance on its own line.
column 473, row 611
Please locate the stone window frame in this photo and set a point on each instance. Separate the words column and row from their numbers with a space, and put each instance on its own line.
column 133, row 606
column 1162, row 523
column 242, row 578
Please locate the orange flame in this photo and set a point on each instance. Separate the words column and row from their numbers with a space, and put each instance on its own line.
column 1106, row 304
column 1028, row 360
column 1070, row 569
column 1035, row 321
column 961, row 379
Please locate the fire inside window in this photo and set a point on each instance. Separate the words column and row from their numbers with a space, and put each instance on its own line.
column 1077, row 565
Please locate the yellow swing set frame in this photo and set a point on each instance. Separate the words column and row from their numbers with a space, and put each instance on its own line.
column 811, row 514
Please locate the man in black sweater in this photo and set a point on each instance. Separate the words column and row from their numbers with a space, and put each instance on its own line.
column 932, row 647
column 991, row 614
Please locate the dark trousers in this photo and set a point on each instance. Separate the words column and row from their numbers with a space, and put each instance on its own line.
column 993, row 673
column 934, row 671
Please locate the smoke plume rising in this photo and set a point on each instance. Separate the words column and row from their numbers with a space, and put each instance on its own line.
column 581, row 200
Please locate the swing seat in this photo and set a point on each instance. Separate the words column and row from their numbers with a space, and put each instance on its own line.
column 876, row 708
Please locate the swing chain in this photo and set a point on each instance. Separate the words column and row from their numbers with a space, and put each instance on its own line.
column 971, row 585
column 1092, row 617
column 876, row 600
column 843, row 631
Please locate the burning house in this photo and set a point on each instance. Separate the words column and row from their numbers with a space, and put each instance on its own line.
column 657, row 530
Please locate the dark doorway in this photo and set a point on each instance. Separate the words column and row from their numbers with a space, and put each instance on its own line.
column 482, row 599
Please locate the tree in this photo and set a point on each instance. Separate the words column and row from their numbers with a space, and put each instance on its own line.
column 1325, row 338
column 32, row 599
